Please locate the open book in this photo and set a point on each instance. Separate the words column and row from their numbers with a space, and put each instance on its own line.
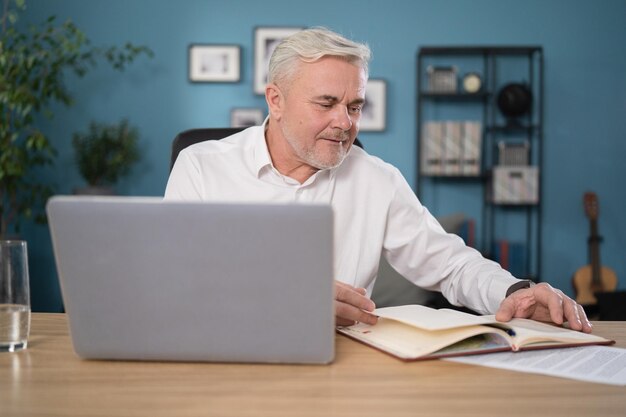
column 414, row 332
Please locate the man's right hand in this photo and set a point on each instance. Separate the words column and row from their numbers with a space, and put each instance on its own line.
column 352, row 305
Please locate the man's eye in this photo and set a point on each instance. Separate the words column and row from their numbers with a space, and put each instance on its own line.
column 326, row 105
column 356, row 109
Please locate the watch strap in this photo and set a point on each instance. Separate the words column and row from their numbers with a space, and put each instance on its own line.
column 519, row 286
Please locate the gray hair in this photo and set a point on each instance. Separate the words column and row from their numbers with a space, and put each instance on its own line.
column 310, row 45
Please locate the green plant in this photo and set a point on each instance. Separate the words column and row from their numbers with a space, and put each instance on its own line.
column 105, row 153
column 33, row 63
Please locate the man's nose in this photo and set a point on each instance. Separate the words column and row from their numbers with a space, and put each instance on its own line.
column 342, row 118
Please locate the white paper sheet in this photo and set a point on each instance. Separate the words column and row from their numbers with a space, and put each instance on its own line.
column 599, row 364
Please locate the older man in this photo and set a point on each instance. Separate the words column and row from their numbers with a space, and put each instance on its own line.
column 304, row 153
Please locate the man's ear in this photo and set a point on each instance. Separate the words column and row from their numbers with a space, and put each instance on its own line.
column 275, row 101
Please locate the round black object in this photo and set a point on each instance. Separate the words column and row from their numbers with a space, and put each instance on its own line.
column 514, row 100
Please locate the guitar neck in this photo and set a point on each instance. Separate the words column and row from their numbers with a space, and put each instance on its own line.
column 594, row 252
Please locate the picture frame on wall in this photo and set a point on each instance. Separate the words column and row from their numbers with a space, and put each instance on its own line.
column 265, row 40
column 246, row 117
column 210, row 63
column 374, row 111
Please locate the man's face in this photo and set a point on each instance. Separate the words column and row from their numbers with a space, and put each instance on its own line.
column 321, row 112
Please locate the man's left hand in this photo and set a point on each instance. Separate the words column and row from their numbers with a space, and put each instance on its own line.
column 542, row 302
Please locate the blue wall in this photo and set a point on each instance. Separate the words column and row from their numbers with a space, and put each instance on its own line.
column 585, row 95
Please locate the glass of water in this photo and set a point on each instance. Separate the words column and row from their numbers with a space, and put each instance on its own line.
column 14, row 296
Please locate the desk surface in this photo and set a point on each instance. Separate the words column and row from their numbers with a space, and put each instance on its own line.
column 49, row 379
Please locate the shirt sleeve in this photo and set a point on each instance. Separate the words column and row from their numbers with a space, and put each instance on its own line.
column 417, row 246
column 185, row 181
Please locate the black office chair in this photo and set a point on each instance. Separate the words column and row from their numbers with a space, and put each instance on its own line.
column 191, row 136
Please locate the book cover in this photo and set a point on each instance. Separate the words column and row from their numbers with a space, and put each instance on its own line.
column 467, row 232
column 511, row 256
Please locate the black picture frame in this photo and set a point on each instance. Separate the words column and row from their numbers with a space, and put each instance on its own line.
column 374, row 112
column 246, row 116
column 211, row 63
column 265, row 40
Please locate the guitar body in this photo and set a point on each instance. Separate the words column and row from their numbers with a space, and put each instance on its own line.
column 585, row 287
column 594, row 277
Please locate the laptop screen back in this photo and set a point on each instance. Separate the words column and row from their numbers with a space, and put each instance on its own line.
column 152, row 280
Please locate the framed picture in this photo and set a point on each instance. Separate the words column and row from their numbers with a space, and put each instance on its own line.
column 265, row 40
column 246, row 117
column 373, row 114
column 214, row 63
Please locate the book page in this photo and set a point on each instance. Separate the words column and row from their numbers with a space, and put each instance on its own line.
column 600, row 364
column 529, row 332
column 415, row 331
column 526, row 331
column 431, row 319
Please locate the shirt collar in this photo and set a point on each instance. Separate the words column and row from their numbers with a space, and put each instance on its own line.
column 261, row 156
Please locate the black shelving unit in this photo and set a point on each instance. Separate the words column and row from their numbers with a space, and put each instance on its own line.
column 487, row 60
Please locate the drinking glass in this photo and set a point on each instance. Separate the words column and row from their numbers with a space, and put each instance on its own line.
column 14, row 296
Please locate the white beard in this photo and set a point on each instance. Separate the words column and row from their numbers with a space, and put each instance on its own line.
column 309, row 155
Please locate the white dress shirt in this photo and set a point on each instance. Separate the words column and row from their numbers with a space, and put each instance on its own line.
column 375, row 212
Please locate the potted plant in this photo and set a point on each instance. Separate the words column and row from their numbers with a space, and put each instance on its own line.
column 104, row 154
column 33, row 62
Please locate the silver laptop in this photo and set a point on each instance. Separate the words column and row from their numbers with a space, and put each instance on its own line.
column 144, row 279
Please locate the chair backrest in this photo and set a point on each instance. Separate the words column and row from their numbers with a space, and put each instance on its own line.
column 191, row 136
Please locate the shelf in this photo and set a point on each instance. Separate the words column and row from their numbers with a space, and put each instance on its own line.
column 453, row 177
column 487, row 60
column 478, row 50
column 455, row 96
column 511, row 128
column 513, row 206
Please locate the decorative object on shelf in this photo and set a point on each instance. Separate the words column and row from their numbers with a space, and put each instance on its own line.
column 442, row 79
column 472, row 148
column 513, row 153
column 374, row 111
column 451, row 148
column 431, row 150
column 104, row 154
column 514, row 100
column 214, row 63
column 472, row 83
column 265, row 40
column 515, row 185
column 246, row 117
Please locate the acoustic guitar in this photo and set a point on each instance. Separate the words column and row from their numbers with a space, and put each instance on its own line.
column 593, row 278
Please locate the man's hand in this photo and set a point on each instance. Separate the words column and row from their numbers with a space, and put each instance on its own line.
column 542, row 302
column 352, row 305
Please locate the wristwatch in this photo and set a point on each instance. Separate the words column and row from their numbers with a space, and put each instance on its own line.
column 519, row 286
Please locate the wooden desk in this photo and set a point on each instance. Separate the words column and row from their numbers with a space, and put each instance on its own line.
column 48, row 379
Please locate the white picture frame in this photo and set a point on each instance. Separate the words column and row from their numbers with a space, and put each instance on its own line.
column 265, row 40
column 214, row 63
column 246, row 117
column 374, row 112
